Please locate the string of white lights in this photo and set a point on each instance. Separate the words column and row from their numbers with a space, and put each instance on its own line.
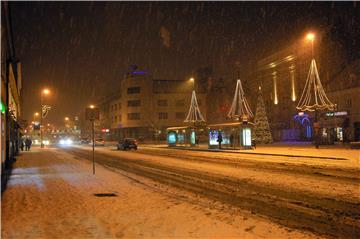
column 239, row 107
column 194, row 115
column 313, row 97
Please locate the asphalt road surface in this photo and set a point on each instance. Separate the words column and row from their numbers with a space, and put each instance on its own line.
column 325, row 214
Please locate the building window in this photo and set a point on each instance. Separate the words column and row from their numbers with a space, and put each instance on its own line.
column 163, row 115
column 115, row 118
column 180, row 102
column 180, row 115
column 119, row 118
column 348, row 103
column 162, row 103
column 134, row 103
column 115, row 107
column 133, row 116
column 133, row 90
column 119, row 106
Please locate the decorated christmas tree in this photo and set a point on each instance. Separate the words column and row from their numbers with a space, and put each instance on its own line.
column 262, row 128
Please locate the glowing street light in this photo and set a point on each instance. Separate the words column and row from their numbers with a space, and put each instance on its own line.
column 192, row 80
column 92, row 106
column 311, row 37
column 66, row 118
column 46, row 91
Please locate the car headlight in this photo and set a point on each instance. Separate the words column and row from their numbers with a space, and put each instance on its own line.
column 62, row 141
column 46, row 142
column 69, row 141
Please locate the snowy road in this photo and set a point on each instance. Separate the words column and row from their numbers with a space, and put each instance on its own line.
column 316, row 198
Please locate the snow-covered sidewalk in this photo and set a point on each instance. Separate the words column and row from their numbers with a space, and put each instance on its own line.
column 51, row 194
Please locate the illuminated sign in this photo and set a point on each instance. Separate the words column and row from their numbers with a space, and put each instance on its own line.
column 2, row 107
column 171, row 138
column 214, row 135
column 193, row 137
column 338, row 113
column 181, row 138
column 247, row 137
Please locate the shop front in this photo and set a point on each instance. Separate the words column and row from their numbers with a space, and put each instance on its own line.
column 334, row 127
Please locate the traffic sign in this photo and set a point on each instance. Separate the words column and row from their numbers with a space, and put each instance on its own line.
column 92, row 113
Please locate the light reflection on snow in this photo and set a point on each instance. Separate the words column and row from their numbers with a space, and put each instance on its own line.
column 27, row 176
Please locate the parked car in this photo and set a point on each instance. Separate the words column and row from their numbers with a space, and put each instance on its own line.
column 127, row 143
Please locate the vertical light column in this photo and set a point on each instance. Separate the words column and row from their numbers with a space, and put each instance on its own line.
column 275, row 87
column 292, row 78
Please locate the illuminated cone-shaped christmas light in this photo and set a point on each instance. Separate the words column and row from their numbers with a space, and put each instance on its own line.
column 194, row 115
column 314, row 97
column 240, row 108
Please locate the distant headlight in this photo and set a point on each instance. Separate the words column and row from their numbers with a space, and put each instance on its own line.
column 46, row 142
column 62, row 141
column 36, row 141
column 69, row 141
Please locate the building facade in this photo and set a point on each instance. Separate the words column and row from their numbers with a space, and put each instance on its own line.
column 344, row 91
column 10, row 91
column 282, row 77
column 144, row 107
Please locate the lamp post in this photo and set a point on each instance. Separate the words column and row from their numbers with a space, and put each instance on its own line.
column 43, row 92
column 92, row 114
column 311, row 37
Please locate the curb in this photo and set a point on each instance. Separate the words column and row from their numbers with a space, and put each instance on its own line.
column 267, row 154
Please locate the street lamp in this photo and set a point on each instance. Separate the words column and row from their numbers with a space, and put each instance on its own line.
column 36, row 114
column 43, row 92
column 311, row 37
column 192, row 80
column 92, row 106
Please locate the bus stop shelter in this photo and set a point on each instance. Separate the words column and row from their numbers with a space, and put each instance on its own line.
column 235, row 135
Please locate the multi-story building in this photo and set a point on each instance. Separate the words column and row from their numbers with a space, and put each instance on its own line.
column 344, row 91
column 10, row 91
column 145, row 107
column 282, row 77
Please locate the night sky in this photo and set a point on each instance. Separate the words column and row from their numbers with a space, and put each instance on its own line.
column 80, row 50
